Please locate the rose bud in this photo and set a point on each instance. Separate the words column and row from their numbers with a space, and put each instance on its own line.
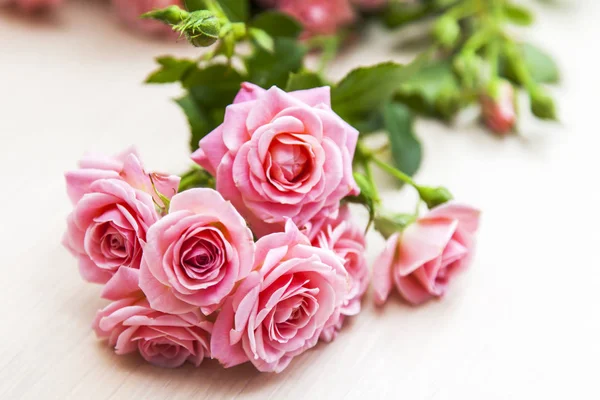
column 129, row 11
column 171, row 15
column 195, row 255
column 446, row 31
column 281, row 155
column 348, row 242
column 130, row 324
column 125, row 166
column 281, row 308
column 498, row 107
column 201, row 28
column 542, row 105
column 423, row 258
column 107, row 228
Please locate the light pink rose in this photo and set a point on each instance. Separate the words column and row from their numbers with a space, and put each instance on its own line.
column 130, row 324
column 107, row 228
column 281, row 308
column 498, row 110
column 423, row 259
column 125, row 166
column 317, row 16
column 32, row 5
column 348, row 242
column 129, row 12
column 281, row 155
column 195, row 255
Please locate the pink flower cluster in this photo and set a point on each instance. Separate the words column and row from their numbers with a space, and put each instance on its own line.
column 323, row 17
column 260, row 269
column 32, row 5
column 128, row 11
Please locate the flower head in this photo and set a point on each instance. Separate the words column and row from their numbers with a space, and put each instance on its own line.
column 422, row 260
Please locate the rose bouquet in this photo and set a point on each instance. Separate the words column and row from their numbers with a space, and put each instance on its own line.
column 253, row 255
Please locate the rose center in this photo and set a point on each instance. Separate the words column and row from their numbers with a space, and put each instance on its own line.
column 202, row 256
column 113, row 244
column 292, row 161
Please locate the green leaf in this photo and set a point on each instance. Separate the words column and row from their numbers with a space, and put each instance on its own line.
column 366, row 89
column 171, row 70
column 236, row 10
column 398, row 13
column 517, row 14
column 406, row 148
column 277, row 24
column 304, row 80
column 210, row 91
column 267, row 69
column 263, row 39
column 432, row 90
column 214, row 86
column 542, row 67
column 200, row 122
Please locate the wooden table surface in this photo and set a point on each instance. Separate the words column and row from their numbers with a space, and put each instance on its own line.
column 522, row 323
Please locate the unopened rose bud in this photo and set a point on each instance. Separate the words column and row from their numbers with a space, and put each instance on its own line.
column 542, row 105
column 469, row 68
column 434, row 196
column 446, row 31
column 171, row 15
column 498, row 107
column 201, row 28
column 448, row 102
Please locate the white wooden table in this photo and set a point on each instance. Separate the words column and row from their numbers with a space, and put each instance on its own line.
column 522, row 323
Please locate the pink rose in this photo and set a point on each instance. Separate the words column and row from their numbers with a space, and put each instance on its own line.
column 317, row 16
column 347, row 241
column 32, row 5
column 427, row 254
column 125, row 166
column 281, row 155
column 107, row 228
column 498, row 109
column 130, row 324
column 195, row 255
column 130, row 10
column 280, row 309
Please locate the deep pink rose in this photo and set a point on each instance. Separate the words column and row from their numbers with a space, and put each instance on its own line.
column 280, row 309
column 129, row 12
column 281, row 155
column 423, row 259
column 32, row 5
column 498, row 109
column 317, row 16
column 130, row 324
column 348, row 242
column 195, row 255
column 107, row 228
column 125, row 166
